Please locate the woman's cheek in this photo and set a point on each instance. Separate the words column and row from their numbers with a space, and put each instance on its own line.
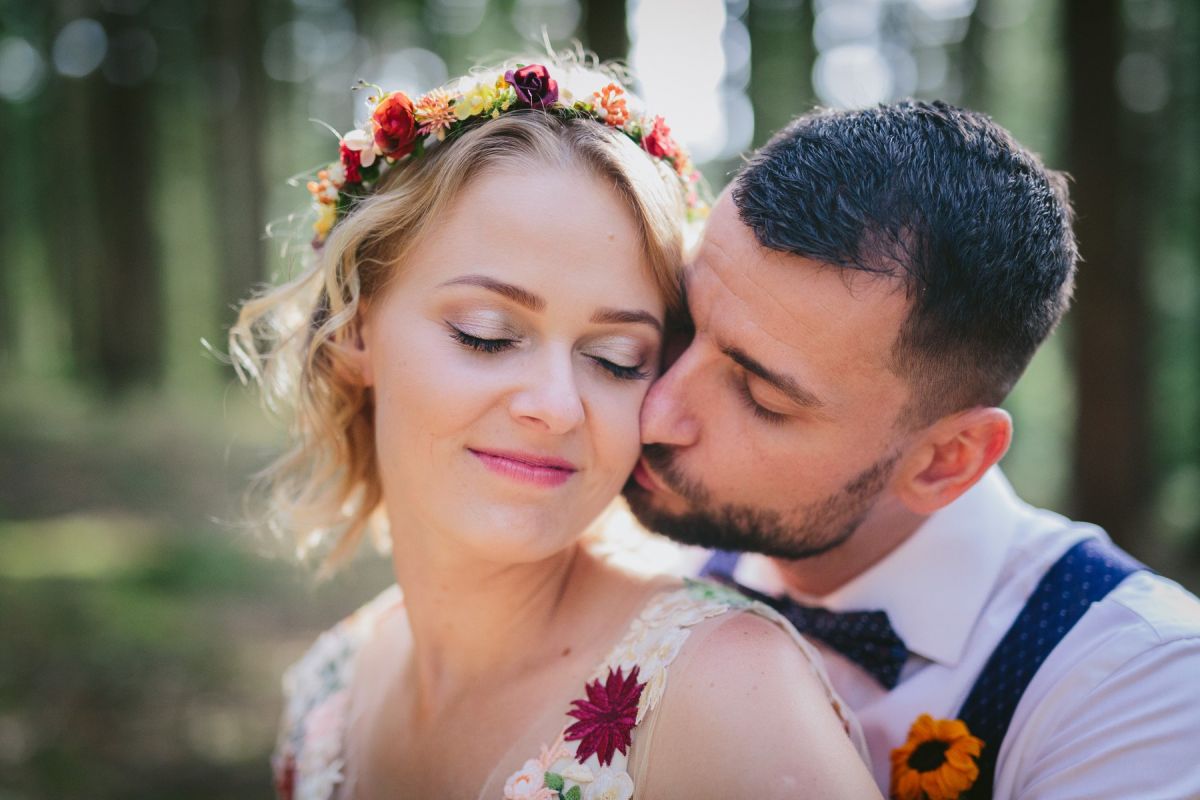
column 618, row 430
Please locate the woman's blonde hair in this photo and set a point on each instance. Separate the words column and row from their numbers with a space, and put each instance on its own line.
column 290, row 339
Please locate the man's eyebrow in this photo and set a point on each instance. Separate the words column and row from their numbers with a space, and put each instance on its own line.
column 617, row 316
column 784, row 383
column 518, row 295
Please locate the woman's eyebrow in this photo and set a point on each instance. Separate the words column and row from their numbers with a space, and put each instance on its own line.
column 515, row 293
column 534, row 302
column 618, row 316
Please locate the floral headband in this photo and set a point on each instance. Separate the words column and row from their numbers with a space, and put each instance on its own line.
column 398, row 129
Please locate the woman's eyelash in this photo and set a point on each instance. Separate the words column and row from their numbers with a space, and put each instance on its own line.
column 479, row 344
column 482, row 345
column 635, row 373
column 765, row 414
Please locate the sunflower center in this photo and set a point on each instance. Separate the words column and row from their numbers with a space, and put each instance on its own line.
column 928, row 756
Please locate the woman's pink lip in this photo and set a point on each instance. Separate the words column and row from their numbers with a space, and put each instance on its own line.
column 526, row 467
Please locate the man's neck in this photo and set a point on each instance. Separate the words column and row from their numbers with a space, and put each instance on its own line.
column 887, row 527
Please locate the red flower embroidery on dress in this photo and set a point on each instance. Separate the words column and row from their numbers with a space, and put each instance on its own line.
column 606, row 717
column 285, row 778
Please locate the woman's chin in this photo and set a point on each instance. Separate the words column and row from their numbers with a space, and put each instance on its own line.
column 519, row 535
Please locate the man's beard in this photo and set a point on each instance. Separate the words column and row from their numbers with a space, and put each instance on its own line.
column 805, row 532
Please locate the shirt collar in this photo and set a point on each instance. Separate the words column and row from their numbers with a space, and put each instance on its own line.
column 935, row 584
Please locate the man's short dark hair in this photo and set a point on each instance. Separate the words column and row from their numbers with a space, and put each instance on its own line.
column 944, row 200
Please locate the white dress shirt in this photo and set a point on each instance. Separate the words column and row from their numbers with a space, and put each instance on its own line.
column 1113, row 712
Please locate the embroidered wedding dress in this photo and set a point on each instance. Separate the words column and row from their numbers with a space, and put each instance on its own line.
column 602, row 737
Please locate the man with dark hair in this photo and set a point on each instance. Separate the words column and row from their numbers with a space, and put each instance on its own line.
column 867, row 292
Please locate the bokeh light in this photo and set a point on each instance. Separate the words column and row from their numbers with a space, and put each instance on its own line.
column 558, row 18
column 22, row 69
column 684, row 72
column 1142, row 83
column 79, row 48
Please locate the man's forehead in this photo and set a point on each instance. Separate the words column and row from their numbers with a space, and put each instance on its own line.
column 736, row 286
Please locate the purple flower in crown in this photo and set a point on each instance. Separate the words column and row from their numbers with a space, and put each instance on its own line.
column 534, row 86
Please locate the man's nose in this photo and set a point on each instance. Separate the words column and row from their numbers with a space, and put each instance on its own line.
column 667, row 417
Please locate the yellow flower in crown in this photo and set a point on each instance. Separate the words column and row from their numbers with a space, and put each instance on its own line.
column 937, row 762
column 483, row 97
column 326, row 218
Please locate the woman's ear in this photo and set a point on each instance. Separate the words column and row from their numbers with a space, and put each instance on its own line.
column 951, row 456
column 351, row 352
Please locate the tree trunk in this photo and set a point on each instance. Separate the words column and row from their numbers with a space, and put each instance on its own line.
column 1112, row 475
column 781, row 63
column 129, row 292
column 972, row 66
column 236, row 103
column 8, row 280
column 1183, row 125
column 605, row 30
column 67, row 217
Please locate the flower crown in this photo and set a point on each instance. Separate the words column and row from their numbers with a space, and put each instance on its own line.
column 398, row 129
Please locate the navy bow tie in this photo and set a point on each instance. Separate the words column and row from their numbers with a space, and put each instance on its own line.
column 865, row 637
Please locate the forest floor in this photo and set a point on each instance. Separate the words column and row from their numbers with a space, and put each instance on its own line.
column 143, row 632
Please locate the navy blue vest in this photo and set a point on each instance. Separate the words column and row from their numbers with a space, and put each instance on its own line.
column 1085, row 574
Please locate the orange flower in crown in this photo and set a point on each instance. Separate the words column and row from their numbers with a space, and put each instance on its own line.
column 937, row 762
column 610, row 105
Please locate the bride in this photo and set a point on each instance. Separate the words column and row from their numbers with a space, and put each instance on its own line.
column 464, row 361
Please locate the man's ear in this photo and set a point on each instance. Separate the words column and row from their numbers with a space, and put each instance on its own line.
column 951, row 456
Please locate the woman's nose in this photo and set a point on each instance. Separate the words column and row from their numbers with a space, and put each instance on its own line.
column 550, row 397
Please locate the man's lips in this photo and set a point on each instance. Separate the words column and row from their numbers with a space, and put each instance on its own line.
column 647, row 479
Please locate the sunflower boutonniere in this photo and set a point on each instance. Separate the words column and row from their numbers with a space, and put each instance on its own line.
column 937, row 762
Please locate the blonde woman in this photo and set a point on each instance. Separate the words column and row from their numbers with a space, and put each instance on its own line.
column 465, row 361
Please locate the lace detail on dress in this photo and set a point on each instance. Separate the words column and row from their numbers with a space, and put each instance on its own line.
column 589, row 758
column 308, row 761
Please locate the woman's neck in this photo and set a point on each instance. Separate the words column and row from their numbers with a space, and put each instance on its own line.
column 475, row 622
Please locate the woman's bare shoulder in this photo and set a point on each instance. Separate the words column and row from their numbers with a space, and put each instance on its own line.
column 748, row 714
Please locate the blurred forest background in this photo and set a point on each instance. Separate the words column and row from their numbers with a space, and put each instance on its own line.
column 146, row 144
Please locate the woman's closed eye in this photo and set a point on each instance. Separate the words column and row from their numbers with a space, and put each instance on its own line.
column 480, row 343
column 621, row 358
column 636, row 372
column 619, row 365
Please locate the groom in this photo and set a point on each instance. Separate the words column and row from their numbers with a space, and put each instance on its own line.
column 864, row 298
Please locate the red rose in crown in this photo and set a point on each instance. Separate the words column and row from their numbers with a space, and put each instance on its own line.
column 395, row 125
